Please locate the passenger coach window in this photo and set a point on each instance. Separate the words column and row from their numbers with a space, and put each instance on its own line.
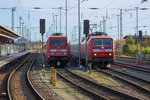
column 58, row 43
column 97, row 43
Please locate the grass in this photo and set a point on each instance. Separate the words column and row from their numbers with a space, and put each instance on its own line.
column 79, row 96
column 110, row 79
column 99, row 77
column 70, row 91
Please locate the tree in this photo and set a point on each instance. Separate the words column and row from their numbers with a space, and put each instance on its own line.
column 131, row 40
column 132, row 48
column 146, row 50
column 125, row 49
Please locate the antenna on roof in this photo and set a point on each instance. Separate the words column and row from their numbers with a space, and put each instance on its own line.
column 98, row 34
column 57, row 34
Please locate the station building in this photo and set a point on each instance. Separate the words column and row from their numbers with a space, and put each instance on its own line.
column 7, row 41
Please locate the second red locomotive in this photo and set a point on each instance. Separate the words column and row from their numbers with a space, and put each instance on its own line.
column 58, row 50
column 100, row 50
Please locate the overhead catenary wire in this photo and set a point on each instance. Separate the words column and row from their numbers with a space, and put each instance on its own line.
column 18, row 3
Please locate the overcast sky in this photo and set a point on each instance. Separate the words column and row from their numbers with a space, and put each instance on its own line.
column 106, row 8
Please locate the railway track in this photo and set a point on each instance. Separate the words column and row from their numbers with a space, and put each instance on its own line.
column 135, row 67
column 19, row 85
column 4, row 74
column 43, row 88
column 97, row 90
column 145, row 61
column 138, row 83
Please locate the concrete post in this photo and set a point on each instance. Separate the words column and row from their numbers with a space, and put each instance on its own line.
column 0, row 49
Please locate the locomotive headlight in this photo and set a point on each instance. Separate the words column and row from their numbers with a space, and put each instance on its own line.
column 65, row 53
column 95, row 54
column 52, row 53
column 110, row 54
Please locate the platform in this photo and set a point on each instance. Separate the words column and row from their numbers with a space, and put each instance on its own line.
column 7, row 59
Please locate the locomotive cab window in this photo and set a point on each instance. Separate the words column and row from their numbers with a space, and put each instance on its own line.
column 58, row 43
column 104, row 42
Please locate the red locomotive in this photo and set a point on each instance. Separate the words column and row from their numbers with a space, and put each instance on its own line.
column 100, row 50
column 58, row 50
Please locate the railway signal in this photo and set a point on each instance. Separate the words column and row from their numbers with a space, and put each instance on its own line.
column 42, row 26
column 86, row 26
column 140, row 35
column 42, row 31
column 86, row 32
column 140, row 38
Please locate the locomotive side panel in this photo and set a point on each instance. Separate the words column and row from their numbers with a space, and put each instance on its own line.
column 48, row 49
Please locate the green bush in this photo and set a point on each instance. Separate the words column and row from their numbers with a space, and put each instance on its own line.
column 130, row 49
column 146, row 50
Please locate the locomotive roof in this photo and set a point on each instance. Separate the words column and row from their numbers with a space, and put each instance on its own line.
column 100, row 37
column 58, row 36
column 83, row 39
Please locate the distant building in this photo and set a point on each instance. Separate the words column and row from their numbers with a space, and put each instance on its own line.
column 144, row 38
column 36, row 45
column 22, row 43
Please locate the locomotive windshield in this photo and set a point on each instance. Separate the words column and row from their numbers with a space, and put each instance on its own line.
column 58, row 43
column 104, row 42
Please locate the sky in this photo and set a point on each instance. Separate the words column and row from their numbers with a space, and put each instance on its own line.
column 49, row 9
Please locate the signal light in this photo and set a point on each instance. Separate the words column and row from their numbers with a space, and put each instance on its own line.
column 86, row 26
column 42, row 26
column 140, row 35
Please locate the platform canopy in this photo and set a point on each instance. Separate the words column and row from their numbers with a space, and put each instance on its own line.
column 6, row 34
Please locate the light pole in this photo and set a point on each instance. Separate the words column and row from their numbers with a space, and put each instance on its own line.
column 100, row 26
column 56, row 23
column 60, row 18
column 22, row 30
column 104, row 25
column 137, row 30
column 137, row 56
column 121, row 26
column 53, row 23
column 12, row 27
column 118, row 33
column 66, row 16
column 79, row 28
column 20, row 26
